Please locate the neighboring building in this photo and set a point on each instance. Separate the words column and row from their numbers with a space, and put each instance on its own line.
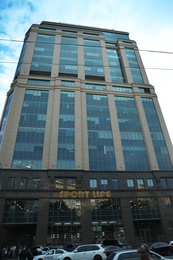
column 85, row 152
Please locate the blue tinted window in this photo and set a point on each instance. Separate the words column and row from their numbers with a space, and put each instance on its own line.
column 134, row 151
column 30, row 137
column 114, row 36
column 67, row 83
column 5, row 115
column 163, row 183
column 38, row 82
column 66, row 134
column 94, row 86
column 68, row 56
column 93, row 58
column 93, row 183
column 160, row 148
column 100, row 140
column 43, row 53
column 121, row 89
column 91, row 34
column 171, row 182
column 134, row 67
column 104, row 184
column 130, row 183
column 150, row 183
column 115, row 184
column 115, row 66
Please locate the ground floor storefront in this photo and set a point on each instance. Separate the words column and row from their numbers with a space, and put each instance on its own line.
column 65, row 221
column 52, row 214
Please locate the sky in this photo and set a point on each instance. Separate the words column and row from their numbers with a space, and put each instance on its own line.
column 149, row 22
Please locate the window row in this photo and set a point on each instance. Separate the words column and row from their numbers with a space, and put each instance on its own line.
column 104, row 183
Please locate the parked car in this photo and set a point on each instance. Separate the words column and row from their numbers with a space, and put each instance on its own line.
column 37, row 250
column 25, row 254
column 171, row 242
column 117, row 242
column 162, row 248
column 109, row 249
column 51, row 254
column 87, row 252
column 132, row 254
column 71, row 247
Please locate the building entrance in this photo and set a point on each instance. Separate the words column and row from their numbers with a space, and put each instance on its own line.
column 145, row 235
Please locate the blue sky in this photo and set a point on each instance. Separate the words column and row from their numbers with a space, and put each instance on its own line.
column 149, row 22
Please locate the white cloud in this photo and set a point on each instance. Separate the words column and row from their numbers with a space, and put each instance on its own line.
column 148, row 22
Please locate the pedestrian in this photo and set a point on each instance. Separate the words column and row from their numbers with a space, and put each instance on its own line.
column 143, row 251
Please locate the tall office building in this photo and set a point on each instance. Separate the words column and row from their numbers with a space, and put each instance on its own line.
column 85, row 152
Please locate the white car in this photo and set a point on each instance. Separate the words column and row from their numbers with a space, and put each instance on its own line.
column 132, row 254
column 171, row 243
column 85, row 252
column 50, row 255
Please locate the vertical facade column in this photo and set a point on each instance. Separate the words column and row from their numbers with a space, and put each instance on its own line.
column 105, row 61
column 2, row 230
column 167, row 220
column 81, row 67
column 56, row 57
column 42, row 222
column 78, row 132
column 86, row 222
column 116, row 134
column 127, row 221
column 51, row 131
column 84, row 133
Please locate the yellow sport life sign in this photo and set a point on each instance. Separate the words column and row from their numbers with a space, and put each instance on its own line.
column 84, row 194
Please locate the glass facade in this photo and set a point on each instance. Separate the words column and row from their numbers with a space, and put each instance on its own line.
column 30, row 137
column 64, row 220
column 68, row 56
column 160, row 148
column 66, row 133
column 115, row 66
column 134, row 151
column 107, row 217
column 20, row 211
column 100, row 140
column 43, row 54
column 5, row 115
column 93, row 59
column 134, row 67
column 145, row 208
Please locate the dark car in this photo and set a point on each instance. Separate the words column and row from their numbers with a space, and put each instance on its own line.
column 26, row 254
column 71, row 247
column 162, row 248
column 117, row 242
column 109, row 249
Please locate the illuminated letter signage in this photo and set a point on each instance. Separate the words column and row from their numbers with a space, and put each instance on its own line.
column 84, row 194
